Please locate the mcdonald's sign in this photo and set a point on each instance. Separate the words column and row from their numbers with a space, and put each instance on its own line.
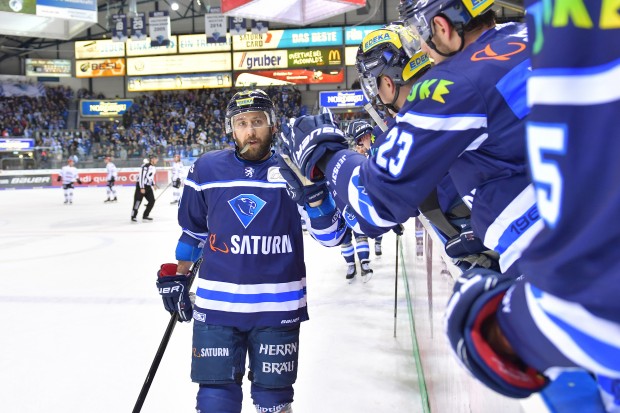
column 321, row 56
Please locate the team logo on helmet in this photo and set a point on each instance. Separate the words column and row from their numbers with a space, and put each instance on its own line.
column 246, row 207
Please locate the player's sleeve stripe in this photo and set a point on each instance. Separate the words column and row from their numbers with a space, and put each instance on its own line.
column 455, row 122
column 582, row 86
column 590, row 341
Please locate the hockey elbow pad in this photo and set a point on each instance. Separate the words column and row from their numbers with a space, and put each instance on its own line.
column 475, row 300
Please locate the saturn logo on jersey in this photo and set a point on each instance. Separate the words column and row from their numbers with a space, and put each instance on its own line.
column 489, row 54
column 215, row 246
column 246, row 207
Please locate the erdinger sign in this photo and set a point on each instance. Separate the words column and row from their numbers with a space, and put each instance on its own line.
column 299, row 12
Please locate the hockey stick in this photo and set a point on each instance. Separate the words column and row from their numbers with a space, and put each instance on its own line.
column 162, row 346
column 162, row 192
column 396, row 283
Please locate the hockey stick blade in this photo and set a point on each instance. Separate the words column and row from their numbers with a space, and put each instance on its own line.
column 162, row 346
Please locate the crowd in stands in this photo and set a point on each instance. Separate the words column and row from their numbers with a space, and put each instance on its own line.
column 165, row 123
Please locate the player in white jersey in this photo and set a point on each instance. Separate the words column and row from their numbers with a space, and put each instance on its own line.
column 68, row 175
column 176, row 173
column 111, row 177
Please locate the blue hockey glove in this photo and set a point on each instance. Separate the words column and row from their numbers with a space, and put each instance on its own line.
column 174, row 291
column 307, row 138
column 475, row 299
column 300, row 189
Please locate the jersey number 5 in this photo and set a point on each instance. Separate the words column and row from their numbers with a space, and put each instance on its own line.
column 545, row 139
column 394, row 161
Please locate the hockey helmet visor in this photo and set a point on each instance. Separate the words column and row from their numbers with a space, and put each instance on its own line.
column 391, row 51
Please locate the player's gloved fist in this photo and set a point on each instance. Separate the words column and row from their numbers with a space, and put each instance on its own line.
column 300, row 193
column 174, row 291
column 307, row 138
column 476, row 297
column 398, row 229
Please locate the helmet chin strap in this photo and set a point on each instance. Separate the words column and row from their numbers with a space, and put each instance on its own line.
column 433, row 46
column 392, row 105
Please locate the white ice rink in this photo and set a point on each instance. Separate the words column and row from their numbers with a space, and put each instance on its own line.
column 81, row 320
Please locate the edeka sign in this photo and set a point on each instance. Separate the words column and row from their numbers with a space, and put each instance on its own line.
column 105, row 108
column 342, row 99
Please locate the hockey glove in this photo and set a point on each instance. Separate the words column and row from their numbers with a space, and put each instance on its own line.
column 58, row 178
column 306, row 139
column 174, row 291
column 79, row 181
column 300, row 189
column 476, row 297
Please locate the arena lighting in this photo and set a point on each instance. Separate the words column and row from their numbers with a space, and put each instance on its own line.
column 298, row 12
column 174, row 6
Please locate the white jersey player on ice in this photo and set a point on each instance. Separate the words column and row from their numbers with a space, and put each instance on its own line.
column 111, row 177
column 68, row 175
column 176, row 174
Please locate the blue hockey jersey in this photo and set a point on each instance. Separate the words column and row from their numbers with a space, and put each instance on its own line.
column 465, row 117
column 571, row 289
column 253, row 272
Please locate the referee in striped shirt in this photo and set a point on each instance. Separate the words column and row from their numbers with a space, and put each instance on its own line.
column 144, row 189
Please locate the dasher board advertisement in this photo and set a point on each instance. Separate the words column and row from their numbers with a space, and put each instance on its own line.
column 179, row 82
column 197, row 43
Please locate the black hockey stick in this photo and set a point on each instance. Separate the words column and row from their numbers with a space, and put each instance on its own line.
column 162, row 346
column 162, row 192
column 396, row 283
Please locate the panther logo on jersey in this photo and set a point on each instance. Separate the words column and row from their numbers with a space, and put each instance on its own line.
column 246, row 207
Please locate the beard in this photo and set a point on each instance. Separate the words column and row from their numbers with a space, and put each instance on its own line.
column 255, row 152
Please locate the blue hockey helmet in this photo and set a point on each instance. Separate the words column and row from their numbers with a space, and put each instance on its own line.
column 419, row 14
column 249, row 101
column 357, row 129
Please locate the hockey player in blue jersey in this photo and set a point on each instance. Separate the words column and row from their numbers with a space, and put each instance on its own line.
column 464, row 117
column 236, row 212
column 564, row 313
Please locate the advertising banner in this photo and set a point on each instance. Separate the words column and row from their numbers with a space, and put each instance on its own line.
column 355, row 35
column 97, row 49
column 162, row 65
column 16, row 144
column 138, row 27
column 159, row 28
column 100, row 67
column 342, row 99
column 272, row 59
column 83, row 10
column 119, row 27
column 215, row 28
column 25, row 181
column 315, row 57
column 350, row 53
column 197, row 43
column 288, row 77
column 145, row 47
column 48, row 67
column 104, row 107
column 283, row 39
column 179, row 82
